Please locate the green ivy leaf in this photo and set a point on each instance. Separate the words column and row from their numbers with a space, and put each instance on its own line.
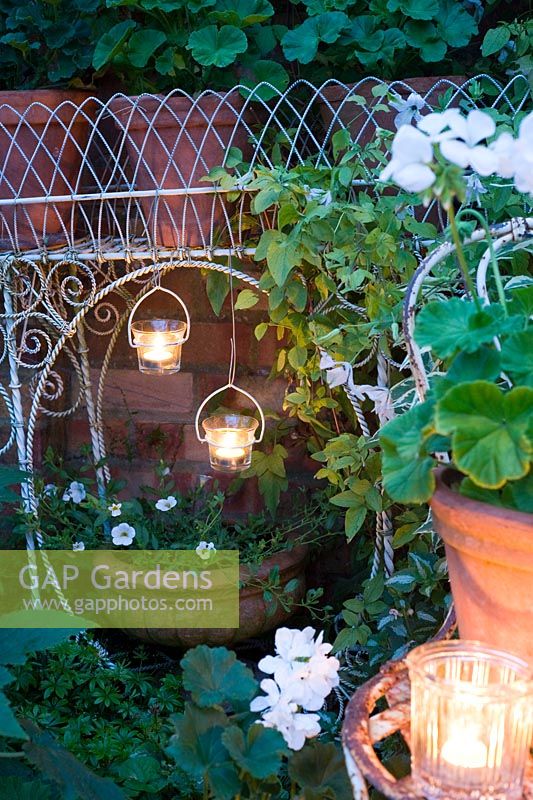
column 490, row 430
column 217, row 288
column 111, row 42
column 246, row 299
column 282, row 257
column 320, row 767
column 259, row 753
column 214, row 676
column 448, row 326
column 218, row 47
column 494, row 40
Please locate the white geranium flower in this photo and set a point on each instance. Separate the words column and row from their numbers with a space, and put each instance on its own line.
column 412, row 151
column 166, row 503
column 78, row 546
column 205, row 550
column 75, row 492
column 408, row 110
column 463, row 148
column 115, row 509
column 322, row 196
column 123, row 534
column 523, row 176
column 50, row 490
column 294, row 727
column 281, row 713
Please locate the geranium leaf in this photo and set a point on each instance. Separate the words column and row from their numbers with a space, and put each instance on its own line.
column 268, row 72
column 417, row 9
column 214, row 676
column 321, row 768
column 143, row 44
column 449, row 326
column 407, row 465
column 483, row 364
column 218, row 47
column 111, row 42
column 301, row 43
column 517, row 354
column 490, row 431
column 259, row 752
column 242, row 12
column 18, row 789
column 455, row 25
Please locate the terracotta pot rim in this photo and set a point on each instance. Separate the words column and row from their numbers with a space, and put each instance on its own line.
column 335, row 92
column 36, row 106
column 139, row 110
column 447, row 496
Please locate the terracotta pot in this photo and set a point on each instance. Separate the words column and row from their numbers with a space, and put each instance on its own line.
column 254, row 619
column 355, row 119
column 490, row 559
column 43, row 134
column 171, row 144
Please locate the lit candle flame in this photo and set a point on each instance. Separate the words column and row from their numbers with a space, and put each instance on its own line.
column 464, row 748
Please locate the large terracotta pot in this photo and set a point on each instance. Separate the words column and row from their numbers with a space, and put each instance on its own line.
column 172, row 144
column 490, row 560
column 43, row 134
column 254, row 616
column 352, row 116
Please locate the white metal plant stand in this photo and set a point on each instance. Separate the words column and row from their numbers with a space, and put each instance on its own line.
column 93, row 255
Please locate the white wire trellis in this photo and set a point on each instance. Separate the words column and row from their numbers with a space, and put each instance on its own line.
column 94, row 197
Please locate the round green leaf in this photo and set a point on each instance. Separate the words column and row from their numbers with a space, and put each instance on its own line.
column 216, row 47
column 111, row 43
column 491, row 431
column 143, row 44
column 214, row 676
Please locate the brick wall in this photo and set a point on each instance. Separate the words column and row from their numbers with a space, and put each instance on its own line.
column 138, row 407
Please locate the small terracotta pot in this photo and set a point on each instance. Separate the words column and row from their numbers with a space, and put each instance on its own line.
column 172, row 144
column 43, row 134
column 254, row 618
column 490, row 560
column 355, row 119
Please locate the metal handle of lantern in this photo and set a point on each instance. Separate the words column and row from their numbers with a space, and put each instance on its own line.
column 143, row 298
column 223, row 389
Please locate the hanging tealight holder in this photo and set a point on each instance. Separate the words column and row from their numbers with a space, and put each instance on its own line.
column 230, row 437
column 159, row 341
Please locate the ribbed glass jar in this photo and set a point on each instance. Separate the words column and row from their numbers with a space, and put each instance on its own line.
column 471, row 721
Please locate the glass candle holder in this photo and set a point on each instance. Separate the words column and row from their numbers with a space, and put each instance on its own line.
column 230, row 438
column 158, row 343
column 471, row 721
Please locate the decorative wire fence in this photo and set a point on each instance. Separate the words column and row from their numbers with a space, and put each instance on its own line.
column 96, row 197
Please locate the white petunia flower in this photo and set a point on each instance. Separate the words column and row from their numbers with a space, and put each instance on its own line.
column 504, row 150
column 474, row 189
column 166, row 503
column 408, row 110
column 411, row 153
column 463, row 148
column 205, row 550
column 115, row 509
column 50, row 490
column 123, row 534
column 75, row 492
column 78, row 546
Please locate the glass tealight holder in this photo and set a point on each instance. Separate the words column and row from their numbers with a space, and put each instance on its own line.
column 471, row 721
column 230, row 438
column 158, row 343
